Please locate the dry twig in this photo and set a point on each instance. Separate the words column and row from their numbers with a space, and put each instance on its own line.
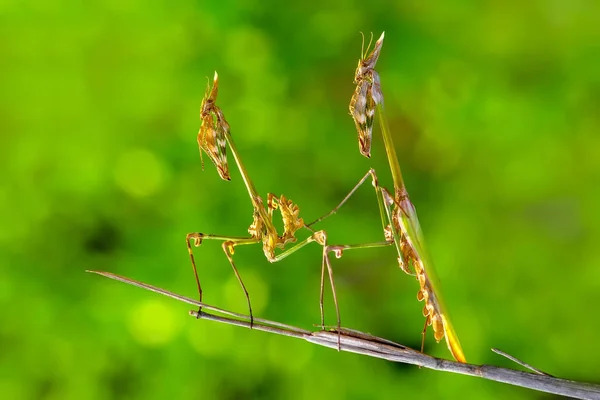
column 362, row 343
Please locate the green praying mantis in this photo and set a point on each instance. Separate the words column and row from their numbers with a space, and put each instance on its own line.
column 398, row 216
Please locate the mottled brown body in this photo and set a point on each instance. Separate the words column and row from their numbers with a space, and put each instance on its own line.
column 366, row 97
column 213, row 128
column 432, row 310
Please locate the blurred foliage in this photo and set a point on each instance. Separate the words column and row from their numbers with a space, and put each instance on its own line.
column 495, row 107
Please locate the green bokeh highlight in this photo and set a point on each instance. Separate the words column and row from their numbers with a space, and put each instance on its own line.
column 495, row 113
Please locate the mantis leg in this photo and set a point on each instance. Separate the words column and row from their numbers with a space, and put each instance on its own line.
column 321, row 238
column 385, row 200
column 382, row 200
column 370, row 172
column 327, row 262
column 229, row 243
column 337, row 250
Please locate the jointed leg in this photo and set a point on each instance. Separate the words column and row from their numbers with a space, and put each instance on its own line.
column 321, row 238
column 338, row 251
column 339, row 248
column 384, row 200
column 370, row 172
column 322, row 295
column 327, row 262
column 228, row 247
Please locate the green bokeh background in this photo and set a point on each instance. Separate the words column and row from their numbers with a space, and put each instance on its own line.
column 495, row 110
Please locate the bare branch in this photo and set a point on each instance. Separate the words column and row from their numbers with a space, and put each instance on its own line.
column 372, row 346
column 263, row 322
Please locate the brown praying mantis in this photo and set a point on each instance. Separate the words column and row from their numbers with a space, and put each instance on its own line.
column 399, row 217
column 213, row 138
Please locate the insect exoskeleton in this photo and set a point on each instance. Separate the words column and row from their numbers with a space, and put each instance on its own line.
column 213, row 130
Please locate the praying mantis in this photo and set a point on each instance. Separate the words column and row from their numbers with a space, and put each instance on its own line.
column 213, row 138
column 398, row 214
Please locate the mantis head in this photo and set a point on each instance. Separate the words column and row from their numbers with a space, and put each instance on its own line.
column 366, row 64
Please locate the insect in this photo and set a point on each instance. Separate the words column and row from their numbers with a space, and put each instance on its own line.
column 213, row 138
column 366, row 96
column 213, row 131
column 399, row 217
